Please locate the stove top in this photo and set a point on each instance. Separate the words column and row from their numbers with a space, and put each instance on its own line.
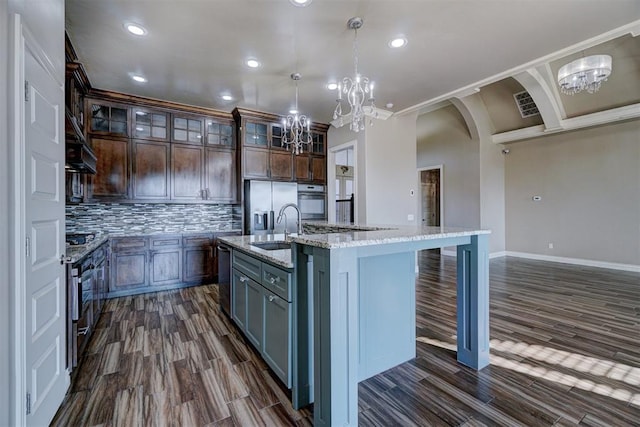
column 77, row 239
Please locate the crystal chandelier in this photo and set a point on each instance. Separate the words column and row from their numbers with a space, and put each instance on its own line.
column 357, row 90
column 296, row 126
column 584, row 74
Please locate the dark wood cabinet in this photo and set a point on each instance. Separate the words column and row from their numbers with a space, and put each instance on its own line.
column 108, row 118
column 255, row 163
column 165, row 260
column 219, row 133
column 198, row 258
column 149, row 124
column 186, row 172
column 129, row 265
column 281, row 165
column 150, row 176
column 318, row 169
column 302, row 169
column 220, row 174
column 187, row 129
column 111, row 180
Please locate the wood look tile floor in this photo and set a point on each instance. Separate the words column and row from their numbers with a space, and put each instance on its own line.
column 565, row 350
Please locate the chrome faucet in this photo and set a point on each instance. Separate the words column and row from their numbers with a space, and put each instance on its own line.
column 281, row 214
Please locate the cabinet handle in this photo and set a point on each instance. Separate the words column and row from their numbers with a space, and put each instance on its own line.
column 83, row 331
column 243, row 279
column 272, row 280
column 271, row 298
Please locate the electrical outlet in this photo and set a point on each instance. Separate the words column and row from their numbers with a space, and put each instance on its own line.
column 410, row 217
column 550, row 245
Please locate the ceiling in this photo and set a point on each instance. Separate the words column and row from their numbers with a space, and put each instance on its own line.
column 195, row 50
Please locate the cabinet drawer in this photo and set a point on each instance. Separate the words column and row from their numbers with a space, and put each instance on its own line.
column 247, row 265
column 129, row 243
column 277, row 281
column 197, row 240
column 160, row 242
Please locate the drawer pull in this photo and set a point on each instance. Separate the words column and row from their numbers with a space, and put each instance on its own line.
column 272, row 280
column 83, row 331
column 243, row 279
column 271, row 298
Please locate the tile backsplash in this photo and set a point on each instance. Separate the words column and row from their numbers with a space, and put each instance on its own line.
column 152, row 217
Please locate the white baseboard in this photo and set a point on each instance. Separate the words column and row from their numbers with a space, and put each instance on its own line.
column 576, row 261
column 563, row 260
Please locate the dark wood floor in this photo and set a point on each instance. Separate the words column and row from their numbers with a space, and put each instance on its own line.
column 565, row 350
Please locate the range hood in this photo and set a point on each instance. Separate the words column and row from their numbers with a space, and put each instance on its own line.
column 79, row 158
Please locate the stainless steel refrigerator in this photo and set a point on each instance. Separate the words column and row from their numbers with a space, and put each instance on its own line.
column 262, row 202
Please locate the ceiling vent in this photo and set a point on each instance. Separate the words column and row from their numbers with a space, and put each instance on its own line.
column 525, row 103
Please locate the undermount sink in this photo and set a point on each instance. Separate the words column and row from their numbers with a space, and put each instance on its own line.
column 272, row 246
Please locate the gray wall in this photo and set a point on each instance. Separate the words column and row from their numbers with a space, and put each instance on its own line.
column 589, row 181
column 443, row 139
column 5, row 377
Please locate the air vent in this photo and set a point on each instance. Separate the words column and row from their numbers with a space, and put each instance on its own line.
column 525, row 103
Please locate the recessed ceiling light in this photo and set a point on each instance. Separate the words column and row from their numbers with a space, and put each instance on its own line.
column 227, row 97
column 389, row 105
column 301, row 3
column 332, row 86
column 398, row 42
column 135, row 29
column 253, row 63
column 139, row 79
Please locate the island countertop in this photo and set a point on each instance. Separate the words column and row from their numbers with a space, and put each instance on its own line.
column 343, row 236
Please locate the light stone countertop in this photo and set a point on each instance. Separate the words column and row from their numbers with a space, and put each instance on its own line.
column 344, row 238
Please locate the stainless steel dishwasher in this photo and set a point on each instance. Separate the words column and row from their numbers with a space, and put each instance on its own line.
column 224, row 278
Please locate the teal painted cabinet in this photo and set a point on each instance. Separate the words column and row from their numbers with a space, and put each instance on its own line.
column 261, row 308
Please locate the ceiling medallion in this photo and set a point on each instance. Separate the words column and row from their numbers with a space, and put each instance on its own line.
column 357, row 89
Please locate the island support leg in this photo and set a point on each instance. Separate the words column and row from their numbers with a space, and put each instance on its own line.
column 473, row 302
column 335, row 337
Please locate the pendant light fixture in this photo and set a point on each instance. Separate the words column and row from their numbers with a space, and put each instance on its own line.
column 296, row 126
column 357, row 90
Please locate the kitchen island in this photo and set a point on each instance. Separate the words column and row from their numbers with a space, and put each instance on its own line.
column 354, row 308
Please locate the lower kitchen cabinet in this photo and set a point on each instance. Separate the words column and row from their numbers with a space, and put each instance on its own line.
column 147, row 264
column 261, row 313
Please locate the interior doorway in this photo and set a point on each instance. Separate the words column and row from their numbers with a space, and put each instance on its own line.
column 344, row 186
column 430, row 184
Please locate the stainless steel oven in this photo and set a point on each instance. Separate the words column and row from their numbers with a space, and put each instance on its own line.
column 312, row 201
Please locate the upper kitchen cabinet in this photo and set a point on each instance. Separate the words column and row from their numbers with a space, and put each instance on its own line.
column 150, row 170
column 107, row 118
column 149, row 124
column 219, row 133
column 187, row 129
column 111, row 180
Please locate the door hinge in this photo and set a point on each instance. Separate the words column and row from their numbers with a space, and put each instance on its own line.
column 26, row 91
column 28, row 403
column 28, row 247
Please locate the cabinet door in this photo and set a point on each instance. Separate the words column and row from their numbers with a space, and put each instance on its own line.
column 319, row 169
column 219, row 133
column 166, row 267
column 186, row 172
column 220, row 174
column 302, row 169
column 112, row 177
column 187, row 129
column 255, row 313
column 239, row 298
column 277, row 336
column 128, row 271
column 256, row 134
column 149, row 124
column 150, row 177
column 281, row 165
column 198, row 264
column 255, row 163
column 108, row 119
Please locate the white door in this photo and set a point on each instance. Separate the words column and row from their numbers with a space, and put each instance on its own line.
column 44, row 310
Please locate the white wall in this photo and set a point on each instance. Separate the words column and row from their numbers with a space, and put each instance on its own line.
column 443, row 139
column 5, row 377
column 589, row 181
column 385, row 169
